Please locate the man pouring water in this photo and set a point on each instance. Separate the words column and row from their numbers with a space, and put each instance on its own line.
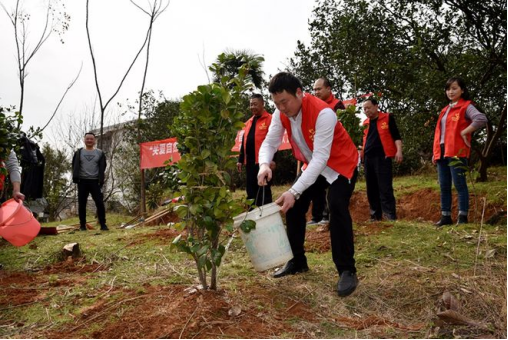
column 320, row 141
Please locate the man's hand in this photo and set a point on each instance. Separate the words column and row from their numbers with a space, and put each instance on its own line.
column 464, row 134
column 264, row 174
column 286, row 201
column 239, row 166
column 18, row 196
column 398, row 157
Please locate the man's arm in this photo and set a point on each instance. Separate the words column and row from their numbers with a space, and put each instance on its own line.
column 13, row 168
column 394, row 131
column 241, row 157
column 268, row 148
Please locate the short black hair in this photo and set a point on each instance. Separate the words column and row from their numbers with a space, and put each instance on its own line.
column 257, row 96
column 372, row 100
column 462, row 85
column 90, row 133
column 284, row 81
column 326, row 82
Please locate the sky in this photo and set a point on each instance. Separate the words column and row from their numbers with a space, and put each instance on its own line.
column 187, row 34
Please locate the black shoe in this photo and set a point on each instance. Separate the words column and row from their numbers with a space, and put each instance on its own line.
column 82, row 228
column 374, row 218
column 445, row 220
column 104, row 227
column 291, row 268
column 462, row 219
column 312, row 222
column 347, row 283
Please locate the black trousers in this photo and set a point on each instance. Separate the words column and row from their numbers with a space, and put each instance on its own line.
column 85, row 188
column 379, row 180
column 341, row 224
column 319, row 206
column 254, row 191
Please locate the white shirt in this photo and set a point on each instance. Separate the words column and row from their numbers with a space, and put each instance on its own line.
column 316, row 160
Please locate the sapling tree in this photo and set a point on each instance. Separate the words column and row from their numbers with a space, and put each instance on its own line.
column 206, row 128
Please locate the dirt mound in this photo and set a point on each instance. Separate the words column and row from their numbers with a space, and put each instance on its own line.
column 422, row 206
column 179, row 312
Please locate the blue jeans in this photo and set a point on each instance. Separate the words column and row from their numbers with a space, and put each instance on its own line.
column 457, row 173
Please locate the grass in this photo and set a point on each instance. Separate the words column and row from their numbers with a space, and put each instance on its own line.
column 404, row 268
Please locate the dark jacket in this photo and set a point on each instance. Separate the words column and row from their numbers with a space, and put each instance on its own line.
column 76, row 165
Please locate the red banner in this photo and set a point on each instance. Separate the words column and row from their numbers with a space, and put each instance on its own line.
column 156, row 154
column 349, row 102
column 238, row 141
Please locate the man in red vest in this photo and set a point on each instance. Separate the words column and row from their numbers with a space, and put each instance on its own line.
column 320, row 141
column 323, row 90
column 381, row 143
column 255, row 132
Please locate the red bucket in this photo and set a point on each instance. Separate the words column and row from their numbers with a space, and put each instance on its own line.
column 17, row 224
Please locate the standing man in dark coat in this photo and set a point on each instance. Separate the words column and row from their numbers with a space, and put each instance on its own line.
column 88, row 167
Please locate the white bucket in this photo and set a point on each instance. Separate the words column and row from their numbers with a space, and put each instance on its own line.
column 267, row 244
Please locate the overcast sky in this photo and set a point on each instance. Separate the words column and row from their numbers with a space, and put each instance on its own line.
column 187, row 31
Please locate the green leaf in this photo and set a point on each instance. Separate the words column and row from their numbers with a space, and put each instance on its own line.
column 205, row 153
column 247, row 225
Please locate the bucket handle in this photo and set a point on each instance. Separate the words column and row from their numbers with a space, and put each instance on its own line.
column 262, row 200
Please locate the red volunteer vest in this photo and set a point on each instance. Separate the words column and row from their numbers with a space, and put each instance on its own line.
column 455, row 122
column 262, row 125
column 343, row 154
column 384, row 134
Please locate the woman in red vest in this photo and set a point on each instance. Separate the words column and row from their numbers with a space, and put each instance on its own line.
column 452, row 147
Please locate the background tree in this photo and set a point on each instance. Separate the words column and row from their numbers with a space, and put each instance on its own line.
column 407, row 50
column 56, row 20
column 103, row 104
column 20, row 19
column 156, row 124
column 155, row 9
column 230, row 62
column 57, row 187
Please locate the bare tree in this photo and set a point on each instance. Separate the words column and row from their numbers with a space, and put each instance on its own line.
column 156, row 8
column 19, row 19
column 102, row 102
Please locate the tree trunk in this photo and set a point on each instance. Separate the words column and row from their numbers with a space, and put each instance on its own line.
column 213, row 277
column 486, row 154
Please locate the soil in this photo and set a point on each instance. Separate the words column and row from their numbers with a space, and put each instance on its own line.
column 421, row 206
column 179, row 312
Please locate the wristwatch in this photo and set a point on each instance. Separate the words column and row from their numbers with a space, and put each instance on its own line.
column 294, row 193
